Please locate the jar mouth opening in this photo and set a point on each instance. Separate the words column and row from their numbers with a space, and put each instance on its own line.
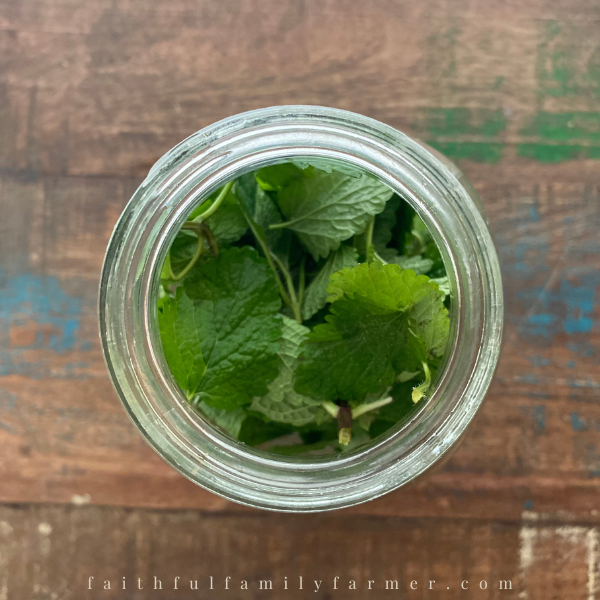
column 181, row 181
column 194, row 199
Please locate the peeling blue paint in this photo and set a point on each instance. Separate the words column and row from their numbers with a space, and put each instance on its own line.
column 538, row 415
column 529, row 378
column 568, row 310
column 41, row 300
column 583, row 384
column 534, row 214
column 528, row 505
column 577, row 423
column 525, row 259
column 571, row 364
column 582, row 348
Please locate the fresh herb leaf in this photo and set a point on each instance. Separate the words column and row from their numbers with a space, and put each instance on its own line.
column 327, row 165
column 282, row 403
column 276, row 177
column 383, row 321
column 316, row 292
column 385, row 223
column 182, row 250
column 417, row 263
column 230, row 421
column 256, row 431
column 181, row 340
column 329, row 208
column 235, row 316
column 227, row 223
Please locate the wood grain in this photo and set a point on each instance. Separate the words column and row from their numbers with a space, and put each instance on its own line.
column 51, row 552
column 92, row 93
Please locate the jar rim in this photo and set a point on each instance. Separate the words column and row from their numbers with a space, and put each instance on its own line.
column 179, row 182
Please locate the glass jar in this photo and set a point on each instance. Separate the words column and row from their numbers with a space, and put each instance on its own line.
column 129, row 287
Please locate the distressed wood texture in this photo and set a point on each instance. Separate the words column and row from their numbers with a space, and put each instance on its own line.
column 92, row 93
column 53, row 551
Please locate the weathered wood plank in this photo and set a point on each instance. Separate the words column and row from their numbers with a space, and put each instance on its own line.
column 107, row 88
column 51, row 552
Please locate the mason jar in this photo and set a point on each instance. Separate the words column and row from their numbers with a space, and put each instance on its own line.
column 185, row 177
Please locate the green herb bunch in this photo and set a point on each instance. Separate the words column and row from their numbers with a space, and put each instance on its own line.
column 304, row 307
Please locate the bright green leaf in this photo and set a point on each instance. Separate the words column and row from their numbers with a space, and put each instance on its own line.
column 181, row 341
column 383, row 321
column 330, row 208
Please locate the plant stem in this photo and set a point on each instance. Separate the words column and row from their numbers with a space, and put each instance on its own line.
column 331, row 408
column 212, row 209
column 344, row 419
column 365, row 408
column 375, row 255
column 280, row 225
column 294, row 304
column 259, row 237
column 193, row 261
column 420, row 391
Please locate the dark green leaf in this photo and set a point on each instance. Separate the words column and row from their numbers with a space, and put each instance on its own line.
column 236, row 305
column 316, row 293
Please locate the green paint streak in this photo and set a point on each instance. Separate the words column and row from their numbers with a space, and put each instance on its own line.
column 464, row 121
column 559, row 67
column 564, row 126
column 484, row 152
column 558, row 153
column 498, row 82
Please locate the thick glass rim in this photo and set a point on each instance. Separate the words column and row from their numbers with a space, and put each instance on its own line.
column 184, row 178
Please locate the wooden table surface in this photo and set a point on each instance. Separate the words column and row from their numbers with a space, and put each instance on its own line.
column 92, row 93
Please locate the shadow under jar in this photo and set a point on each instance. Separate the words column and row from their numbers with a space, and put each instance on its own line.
column 181, row 181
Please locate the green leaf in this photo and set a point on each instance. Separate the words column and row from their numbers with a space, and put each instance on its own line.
column 230, row 421
column 182, row 250
column 444, row 284
column 330, row 208
column 438, row 268
column 236, row 317
column 282, row 403
column 276, row 177
column 383, row 321
column 315, row 297
column 227, row 224
column 327, row 165
column 255, row 430
column 417, row 263
column 385, row 223
column 181, row 341
column 263, row 211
